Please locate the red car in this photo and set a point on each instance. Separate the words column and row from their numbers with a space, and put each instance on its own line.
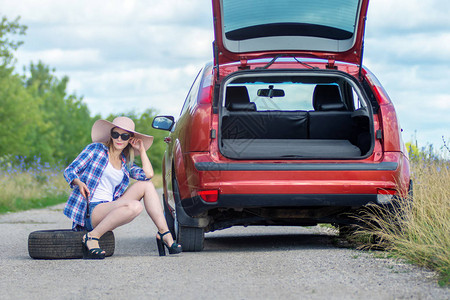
column 285, row 127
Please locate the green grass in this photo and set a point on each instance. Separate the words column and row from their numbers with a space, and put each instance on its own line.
column 19, row 204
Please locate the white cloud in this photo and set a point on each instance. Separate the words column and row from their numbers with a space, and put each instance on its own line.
column 442, row 102
column 387, row 16
column 422, row 102
column 407, row 45
column 138, row 89
column 63, row 58
column 112, row 12
column 413, row 48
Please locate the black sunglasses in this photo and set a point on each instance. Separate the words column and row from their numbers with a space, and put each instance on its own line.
column 124, row 136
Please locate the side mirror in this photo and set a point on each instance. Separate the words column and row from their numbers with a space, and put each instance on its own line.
column 270, row 92
column 163, row 122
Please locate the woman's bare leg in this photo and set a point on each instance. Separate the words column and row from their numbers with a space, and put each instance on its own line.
column 154, row 209
column 108, row 216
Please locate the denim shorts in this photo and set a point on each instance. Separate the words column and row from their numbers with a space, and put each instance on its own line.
column 92, row 205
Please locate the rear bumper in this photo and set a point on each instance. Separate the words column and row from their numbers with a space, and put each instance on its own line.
column 289, row 184
column 195, row 205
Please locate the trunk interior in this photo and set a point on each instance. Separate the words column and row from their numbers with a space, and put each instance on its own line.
column 276, row 115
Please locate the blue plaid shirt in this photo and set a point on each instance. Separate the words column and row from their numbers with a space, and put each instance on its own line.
column 89, row 167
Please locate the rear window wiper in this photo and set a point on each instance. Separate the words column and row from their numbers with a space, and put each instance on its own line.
column 285, row 55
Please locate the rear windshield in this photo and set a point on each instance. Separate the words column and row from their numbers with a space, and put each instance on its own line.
column 334, row 19
column 297, row 96
column 290, row 93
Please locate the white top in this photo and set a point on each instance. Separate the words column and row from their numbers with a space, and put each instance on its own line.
column 110, row 179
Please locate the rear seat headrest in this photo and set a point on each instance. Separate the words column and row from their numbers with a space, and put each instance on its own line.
column 332, row 106
column 236, row 94
column 327, row 97
column 251, row 106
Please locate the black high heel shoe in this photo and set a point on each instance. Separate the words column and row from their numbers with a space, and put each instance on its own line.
column 94, row 253
column 173, row 249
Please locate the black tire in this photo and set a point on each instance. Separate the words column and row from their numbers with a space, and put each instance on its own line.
column 64, row 244
column 169, row 219
column 191, row 238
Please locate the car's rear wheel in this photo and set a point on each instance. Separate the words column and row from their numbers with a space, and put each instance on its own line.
column 190, row 238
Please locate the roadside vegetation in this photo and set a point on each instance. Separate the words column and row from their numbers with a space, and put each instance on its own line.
column 418, row 230
column 43, row 128
column 32, row 185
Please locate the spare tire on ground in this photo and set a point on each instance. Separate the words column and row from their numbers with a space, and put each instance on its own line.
column 64, row 244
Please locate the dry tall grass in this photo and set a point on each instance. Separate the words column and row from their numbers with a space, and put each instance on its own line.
column 417, row 230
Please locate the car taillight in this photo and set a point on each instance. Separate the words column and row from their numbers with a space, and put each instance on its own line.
column 206, row 90
column 385, row 196
column 209, row 195
column 205, row 95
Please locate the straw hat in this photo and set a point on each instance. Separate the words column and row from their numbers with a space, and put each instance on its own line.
column 101, row 131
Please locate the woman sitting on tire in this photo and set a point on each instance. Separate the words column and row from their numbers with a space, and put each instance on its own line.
column 100, row 200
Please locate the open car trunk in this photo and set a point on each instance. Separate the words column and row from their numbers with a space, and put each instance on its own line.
column 310, row 114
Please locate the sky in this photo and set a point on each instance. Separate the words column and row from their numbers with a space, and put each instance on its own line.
column 124, row 55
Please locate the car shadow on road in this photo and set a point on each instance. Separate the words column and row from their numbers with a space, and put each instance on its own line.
column 269, row 242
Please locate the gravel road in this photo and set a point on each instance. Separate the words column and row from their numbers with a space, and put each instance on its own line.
column 237, row 263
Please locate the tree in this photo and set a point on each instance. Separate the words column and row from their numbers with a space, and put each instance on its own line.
column 18, row 113
column 7, row 45
column 67, row 119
